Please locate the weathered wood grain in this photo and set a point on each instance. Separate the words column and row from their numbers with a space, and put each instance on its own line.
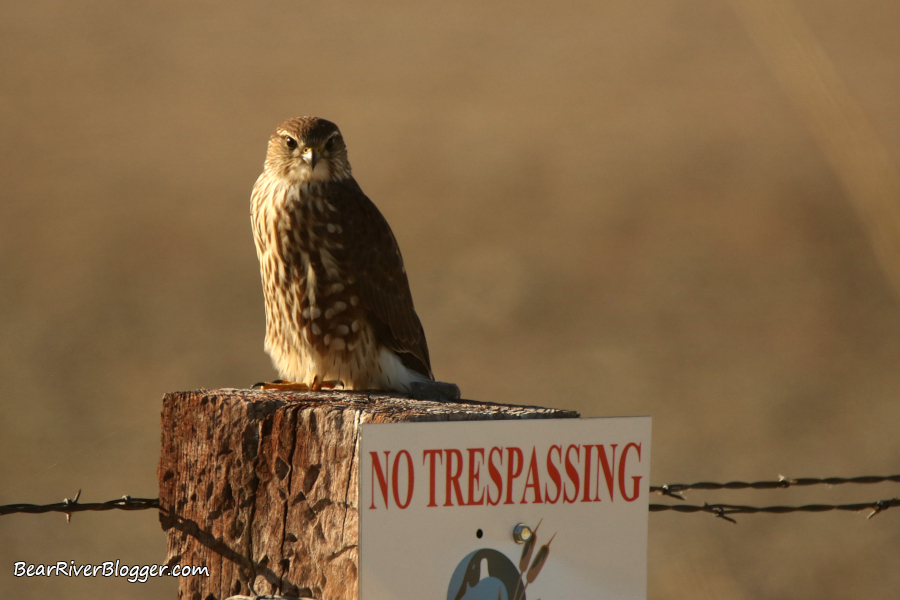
column 261, row 487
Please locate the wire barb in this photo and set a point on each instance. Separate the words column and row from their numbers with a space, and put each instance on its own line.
column 71, row 502
column 883, row 505
column 667, row 490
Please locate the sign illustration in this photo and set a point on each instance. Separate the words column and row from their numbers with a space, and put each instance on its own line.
column 504, row 510
column 487, row 574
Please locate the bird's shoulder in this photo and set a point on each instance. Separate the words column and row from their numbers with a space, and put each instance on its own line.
column 366, row 233
column 373, row 253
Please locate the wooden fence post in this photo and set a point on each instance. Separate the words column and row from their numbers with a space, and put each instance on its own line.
column 261, row 487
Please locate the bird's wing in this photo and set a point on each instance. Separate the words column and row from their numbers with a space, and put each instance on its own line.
column 381, row 278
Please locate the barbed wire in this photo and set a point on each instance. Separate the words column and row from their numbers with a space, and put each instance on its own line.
column 674, row 489
column 70, row 506
column 723, row 510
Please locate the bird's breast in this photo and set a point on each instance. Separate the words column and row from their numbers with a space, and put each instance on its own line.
column 313, row 313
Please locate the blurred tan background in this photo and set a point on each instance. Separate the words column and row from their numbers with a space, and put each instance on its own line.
column 617, row 207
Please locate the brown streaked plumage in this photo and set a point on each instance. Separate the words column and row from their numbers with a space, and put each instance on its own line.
column 338, row 305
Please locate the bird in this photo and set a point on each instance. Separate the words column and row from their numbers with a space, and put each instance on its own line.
column 339, row 311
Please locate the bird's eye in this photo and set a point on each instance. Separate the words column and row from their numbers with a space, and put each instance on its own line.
column 290, row 142
column 331, row 144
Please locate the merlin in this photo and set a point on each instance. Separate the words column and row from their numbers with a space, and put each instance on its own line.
column 339, row 312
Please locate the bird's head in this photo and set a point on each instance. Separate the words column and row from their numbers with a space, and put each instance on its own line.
column 308, row 150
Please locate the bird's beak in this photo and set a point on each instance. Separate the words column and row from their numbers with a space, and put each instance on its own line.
column 311, row 156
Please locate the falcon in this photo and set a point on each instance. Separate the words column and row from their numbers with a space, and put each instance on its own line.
column 339, row 312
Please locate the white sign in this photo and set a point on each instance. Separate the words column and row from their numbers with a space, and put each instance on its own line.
column 439, row 503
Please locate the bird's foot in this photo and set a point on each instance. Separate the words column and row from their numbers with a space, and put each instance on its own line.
column 282, row 386
column 440, row 391
column 326, row 385
column 292, row 386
